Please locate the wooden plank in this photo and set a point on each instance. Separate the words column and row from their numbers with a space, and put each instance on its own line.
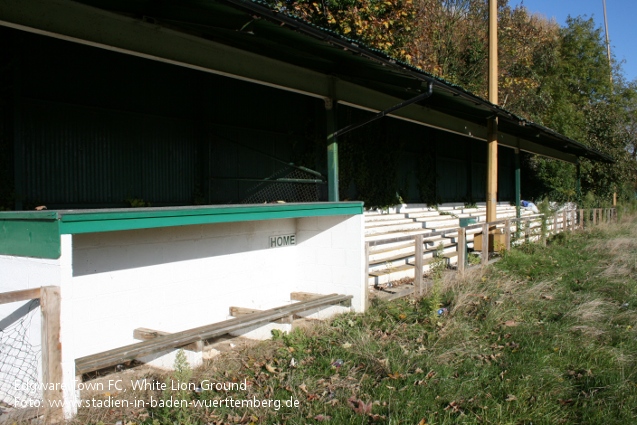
column 243, row 311
column 485, row 243
column 418, row 289
column 527, row 230
column 145, row 334
column 366, row 278
column 304, row 296
column 507, row 235
column 23, row 295
column 51, row 353
column 130, row 352
column 461, row 247
column 564, row 221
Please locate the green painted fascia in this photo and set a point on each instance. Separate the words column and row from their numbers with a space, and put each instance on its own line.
column 76, row 222
column 37, row 233
column 30, row 235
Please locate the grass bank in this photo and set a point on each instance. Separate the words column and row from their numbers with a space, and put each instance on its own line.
column 545, row 336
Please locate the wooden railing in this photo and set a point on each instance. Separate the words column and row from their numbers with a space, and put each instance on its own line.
column 49, row 297
column 530, row 228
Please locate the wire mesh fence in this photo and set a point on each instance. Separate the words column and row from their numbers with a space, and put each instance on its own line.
column 291, row 184
column 19, row 357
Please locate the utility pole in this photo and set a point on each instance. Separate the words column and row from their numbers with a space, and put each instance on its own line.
column 492, row 124
column 610, row 66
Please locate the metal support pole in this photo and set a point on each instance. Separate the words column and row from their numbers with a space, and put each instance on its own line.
column 332, row 150
column 578, row 182
column 518, row 191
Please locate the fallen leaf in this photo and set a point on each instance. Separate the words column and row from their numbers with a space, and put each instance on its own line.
column 511, row 397
column 303, row 388
column 346, row 345
column 547, row 297
column 40, row 208
column 510, row 323
column 565, row 402
column 322, row 418
column 270, row 368
column 423, row 421
column 359, row 406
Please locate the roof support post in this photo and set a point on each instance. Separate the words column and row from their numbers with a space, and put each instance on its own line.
column 578, row 182
column 517, row 183
column 332, row 150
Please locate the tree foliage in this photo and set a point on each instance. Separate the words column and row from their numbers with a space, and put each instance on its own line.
column 556, row 76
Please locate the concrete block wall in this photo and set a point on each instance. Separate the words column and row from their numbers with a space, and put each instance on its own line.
column 175, row 278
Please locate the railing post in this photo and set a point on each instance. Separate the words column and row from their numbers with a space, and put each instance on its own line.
column 564, row 221
column 485, row 243
column 555, row 223
column 581, row 219
column 507, row 235
column 52, row 377
column 462, row 249
column 418, row 240
column 527, row 230
column 366, row 278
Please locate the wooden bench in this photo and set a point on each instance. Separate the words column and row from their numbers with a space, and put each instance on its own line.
column 161, row 343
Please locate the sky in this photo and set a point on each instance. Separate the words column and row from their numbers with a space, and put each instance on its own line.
column 622, row 23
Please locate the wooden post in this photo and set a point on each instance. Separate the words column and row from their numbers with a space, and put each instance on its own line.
column 543, row 228
column 462, row 249
column 555, row 224
column 564, row 221
column 485, row 243
column 581, row 219
column 51, row 353
column 507, row 235
column 492, row 122
column 527, row 230
column 366, row 277
column 418, row 265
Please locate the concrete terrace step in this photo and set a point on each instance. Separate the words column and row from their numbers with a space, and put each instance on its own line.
column 383, row 217
column 395, row 228
column 378, row 223
column 398, row 234
column 419, row 214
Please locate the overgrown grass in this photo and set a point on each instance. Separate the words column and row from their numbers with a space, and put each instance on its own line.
column 545, row 336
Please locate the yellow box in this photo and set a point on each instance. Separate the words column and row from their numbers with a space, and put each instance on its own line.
column 496, row 241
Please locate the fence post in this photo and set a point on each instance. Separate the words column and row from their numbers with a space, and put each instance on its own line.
column 366, row 278
column 555, row 223
column 485, row 243
column 581, row 219
column 507, row 235
column 51, row 353
column 527, row 230
column 462, row 250
column 418, row 240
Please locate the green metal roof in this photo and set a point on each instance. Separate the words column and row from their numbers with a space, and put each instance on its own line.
column 300, row 53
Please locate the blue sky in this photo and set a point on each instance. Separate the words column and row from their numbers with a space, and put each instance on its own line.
column 622, row 23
